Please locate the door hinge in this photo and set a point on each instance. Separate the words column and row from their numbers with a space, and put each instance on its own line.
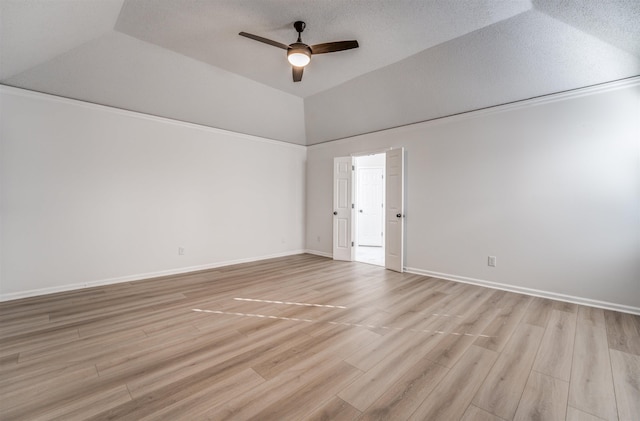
column 353, row 168
column 352, row 244
column 353, row 206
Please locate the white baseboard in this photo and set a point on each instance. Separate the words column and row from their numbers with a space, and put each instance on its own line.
column 527, row 291
column 319, row 253
column 139, row 276
column 489, row 284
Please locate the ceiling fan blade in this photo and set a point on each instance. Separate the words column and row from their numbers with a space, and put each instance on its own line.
column 297, row 73
column 265, row 40
column 332, row 47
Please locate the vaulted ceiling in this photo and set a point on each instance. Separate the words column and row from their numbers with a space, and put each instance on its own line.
column 418, row 59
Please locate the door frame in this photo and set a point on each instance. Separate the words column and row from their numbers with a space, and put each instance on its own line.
column 365, row 153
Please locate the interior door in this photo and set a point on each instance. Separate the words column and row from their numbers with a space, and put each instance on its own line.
column 394, row 215
column 370, row 213
column 343, row 208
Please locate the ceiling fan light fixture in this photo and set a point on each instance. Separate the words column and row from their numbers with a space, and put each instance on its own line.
column 298, row 59
column 299, row 55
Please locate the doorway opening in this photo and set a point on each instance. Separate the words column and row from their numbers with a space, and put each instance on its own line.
column 345, row 213
column 369, row 194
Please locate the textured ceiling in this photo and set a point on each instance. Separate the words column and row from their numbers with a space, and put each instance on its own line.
column 388, row 31
column 417, row 60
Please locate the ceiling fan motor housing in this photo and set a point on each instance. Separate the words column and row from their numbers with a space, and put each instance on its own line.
column 299, row 26
column 299, row 47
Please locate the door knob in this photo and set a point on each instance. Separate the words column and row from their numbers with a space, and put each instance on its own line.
column 360, row 210
column 335, row 212
column 398, row 215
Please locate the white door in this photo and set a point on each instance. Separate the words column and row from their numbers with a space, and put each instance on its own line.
column 342, row 208
column 394, row 216
column 370, row 216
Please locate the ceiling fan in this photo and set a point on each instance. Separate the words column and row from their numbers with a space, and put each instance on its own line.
column 299, row 54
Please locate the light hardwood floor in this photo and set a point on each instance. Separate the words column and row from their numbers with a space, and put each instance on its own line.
column 304, row 337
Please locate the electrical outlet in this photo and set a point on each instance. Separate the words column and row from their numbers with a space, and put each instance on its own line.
column 492, row 261
column 180, row 251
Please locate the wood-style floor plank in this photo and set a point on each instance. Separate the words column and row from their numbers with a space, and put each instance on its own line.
column 451, row 397
column 10, row 360
column 334, row 410
column 340, row 341
column 46, row 390
column 372, row 384
column 539, row 312
column 593, row 315
column 496, row 335
column 556, row 350
column 626, row 379
column 502, row 389
column 307, row 338
column 402, row 398
column 287, row 384
column 591, row 387
column 544, row 398
column 623, row 331
column 474, row 413
column 451, row 346
column 84, row 408
column 574, row 414
column 310, row 396
column 199, row 403
column 564, row 306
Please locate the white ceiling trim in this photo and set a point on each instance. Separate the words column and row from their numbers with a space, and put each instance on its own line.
column 525, row 103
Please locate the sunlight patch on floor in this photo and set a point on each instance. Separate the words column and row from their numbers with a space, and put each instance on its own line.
column 288, row 303
column 294, row 319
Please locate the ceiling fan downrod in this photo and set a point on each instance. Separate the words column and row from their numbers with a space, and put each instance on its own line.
column 299, row 27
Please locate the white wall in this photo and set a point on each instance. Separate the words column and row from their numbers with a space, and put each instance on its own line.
column 551, row 187
column 92, row 195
